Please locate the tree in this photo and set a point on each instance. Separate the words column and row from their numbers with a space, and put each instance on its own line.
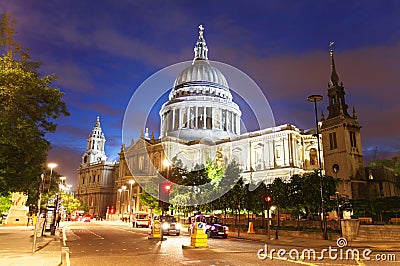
column 393, row 163
column 29, row 107
column 148, row 200
column 5, row 203
column 70, row 203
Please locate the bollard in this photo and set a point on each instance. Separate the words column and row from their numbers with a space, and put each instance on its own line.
column 155, row 230
column 251, row 228
column 198, row 238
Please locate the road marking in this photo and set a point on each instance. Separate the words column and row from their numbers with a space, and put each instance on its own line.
column 65, row 250
column 64, row 237
column 359, row 262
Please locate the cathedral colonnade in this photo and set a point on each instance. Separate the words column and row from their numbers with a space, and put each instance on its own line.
column 200, row 117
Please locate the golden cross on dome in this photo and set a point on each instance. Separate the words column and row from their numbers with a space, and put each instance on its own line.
column 201, row 28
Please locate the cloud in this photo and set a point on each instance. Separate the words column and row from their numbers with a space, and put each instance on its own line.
column 68, row 161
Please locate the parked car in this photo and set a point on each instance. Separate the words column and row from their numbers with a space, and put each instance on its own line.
column 86, row 219
column 169, row 224
column 141, row 220
column 213, row 227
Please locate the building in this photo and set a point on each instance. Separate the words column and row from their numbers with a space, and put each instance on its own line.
column 382, row 182
column 96, row 175
column 200, row 120
column 341, row 141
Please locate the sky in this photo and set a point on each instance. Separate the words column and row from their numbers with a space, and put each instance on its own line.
column 103, row 51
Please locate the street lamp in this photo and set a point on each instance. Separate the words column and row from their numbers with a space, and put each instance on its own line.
column 69, row 188
column 120, row 192
column 52, row 226
column 62, row 185
column 164, row 190
column 131, row 182
column 51, row 166
column 315, row 99
column 63, row 178
column 123, row 189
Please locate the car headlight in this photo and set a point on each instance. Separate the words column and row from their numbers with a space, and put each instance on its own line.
column 165, row 226
column 212, row 228
column 178, row 226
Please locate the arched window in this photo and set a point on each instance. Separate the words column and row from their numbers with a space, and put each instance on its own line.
column 313, row 156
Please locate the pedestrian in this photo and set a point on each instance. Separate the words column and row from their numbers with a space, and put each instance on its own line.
column 58, row 220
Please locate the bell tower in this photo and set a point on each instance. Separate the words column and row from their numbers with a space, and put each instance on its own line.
column 341, row 140
column 95, row 146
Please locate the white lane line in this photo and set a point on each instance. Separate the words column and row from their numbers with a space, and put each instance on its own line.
column 64, row 237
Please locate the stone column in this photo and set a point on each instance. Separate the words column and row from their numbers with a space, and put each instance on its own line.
column 205, row 117
column 173, row 120
column 180, row 118
column 196, row 120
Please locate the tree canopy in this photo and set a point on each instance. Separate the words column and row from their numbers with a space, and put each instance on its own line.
column 30, row 104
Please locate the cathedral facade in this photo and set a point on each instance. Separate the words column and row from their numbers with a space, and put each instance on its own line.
column 201, row 121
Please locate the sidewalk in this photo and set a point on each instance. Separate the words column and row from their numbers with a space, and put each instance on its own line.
column 16, row 244
column 317, row 243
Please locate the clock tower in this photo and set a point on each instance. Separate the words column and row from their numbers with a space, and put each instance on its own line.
column 341, row 140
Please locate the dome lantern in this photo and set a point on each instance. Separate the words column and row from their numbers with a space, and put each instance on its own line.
column 200, row 50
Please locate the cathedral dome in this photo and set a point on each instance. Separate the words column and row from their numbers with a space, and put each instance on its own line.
column 200, row 78
column 201, row 71
column 200, row 103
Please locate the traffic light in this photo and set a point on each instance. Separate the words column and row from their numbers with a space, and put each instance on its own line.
column 268, row 199
column 163, row 195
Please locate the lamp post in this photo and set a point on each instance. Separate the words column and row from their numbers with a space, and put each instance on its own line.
column 315, row 99
column 69, row 188
column 41, row 186
column 167, row 164
column 51, row 166
column 123, row 189
column 62, row 186
column 53, row 223
column 69, row 200
column 131, row 182
column 120, row 192
column 63, row 189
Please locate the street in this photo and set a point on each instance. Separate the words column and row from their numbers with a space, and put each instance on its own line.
column 102, row 243
column 97, row 244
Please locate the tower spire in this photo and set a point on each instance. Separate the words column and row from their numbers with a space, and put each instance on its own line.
column 95, row 145
column 201, row 50
column 336, row 94
column 334, row 75
column 97, row 124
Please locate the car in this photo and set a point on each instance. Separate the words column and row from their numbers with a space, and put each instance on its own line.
column 213, row 227
column 141, row 220
column 86, row 219
column 169, row 225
